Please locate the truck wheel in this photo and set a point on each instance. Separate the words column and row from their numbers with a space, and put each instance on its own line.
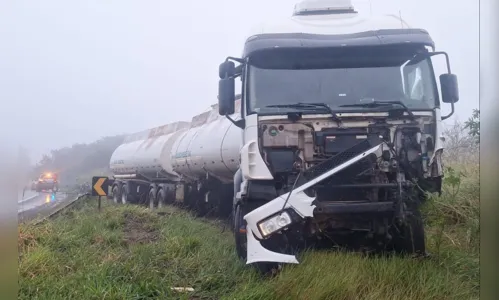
column 124, row 194
column 240, row 233
column 188, row 200
column 116, row 194
column 241, row 242
column 161, row 196
column 409, row 237
column 152, row 199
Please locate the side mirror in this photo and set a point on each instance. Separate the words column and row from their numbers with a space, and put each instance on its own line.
column 449, row 88
column 226, row 69
column 226, row 96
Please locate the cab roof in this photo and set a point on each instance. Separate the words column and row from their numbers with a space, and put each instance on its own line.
column 332, row 23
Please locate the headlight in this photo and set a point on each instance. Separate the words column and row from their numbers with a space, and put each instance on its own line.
column 274, row 223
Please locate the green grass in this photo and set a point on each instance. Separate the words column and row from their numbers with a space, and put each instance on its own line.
column 129, row 252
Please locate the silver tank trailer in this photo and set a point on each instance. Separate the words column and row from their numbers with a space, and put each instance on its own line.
column 147, row 152
column 210, row 146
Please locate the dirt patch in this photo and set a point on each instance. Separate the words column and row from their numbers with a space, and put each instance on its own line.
column 138, row 230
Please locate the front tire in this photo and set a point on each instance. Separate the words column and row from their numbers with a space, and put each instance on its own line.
column 410, row 236
column 240, row 233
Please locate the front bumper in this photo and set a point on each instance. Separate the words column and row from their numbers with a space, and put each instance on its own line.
column 304, row 205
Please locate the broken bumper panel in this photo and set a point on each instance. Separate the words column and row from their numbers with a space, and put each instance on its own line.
column 299, row 202
column 258, row 253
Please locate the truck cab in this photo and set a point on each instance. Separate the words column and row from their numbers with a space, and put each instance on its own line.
column 341, row 126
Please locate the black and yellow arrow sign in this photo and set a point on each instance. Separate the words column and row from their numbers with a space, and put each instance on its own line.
column 100, row 186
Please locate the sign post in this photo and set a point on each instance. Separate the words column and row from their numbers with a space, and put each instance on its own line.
column 100, row 186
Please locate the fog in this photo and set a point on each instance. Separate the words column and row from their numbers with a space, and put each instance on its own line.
column 74, row 71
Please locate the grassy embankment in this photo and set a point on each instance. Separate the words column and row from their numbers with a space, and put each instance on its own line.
column 126, row 252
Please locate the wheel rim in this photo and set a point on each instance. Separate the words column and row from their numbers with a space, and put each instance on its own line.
column 151, row 200
column 123, row 197
column 115, row 196
column 161, row 198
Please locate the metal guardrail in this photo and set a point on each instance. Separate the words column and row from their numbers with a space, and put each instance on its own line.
column 59, row 209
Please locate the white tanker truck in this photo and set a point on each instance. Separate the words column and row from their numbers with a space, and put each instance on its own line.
column 192, row 163
column 336, row 133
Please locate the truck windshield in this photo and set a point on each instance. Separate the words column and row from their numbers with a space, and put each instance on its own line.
column 291, row 81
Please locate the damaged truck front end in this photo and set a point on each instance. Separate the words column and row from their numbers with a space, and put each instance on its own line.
column 339, row 142
column 363, row 183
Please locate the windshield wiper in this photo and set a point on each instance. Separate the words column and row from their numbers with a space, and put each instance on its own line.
column 378, row 103
column 311, row 105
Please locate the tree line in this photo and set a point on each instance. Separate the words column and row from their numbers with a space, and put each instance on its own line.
column 74, row 164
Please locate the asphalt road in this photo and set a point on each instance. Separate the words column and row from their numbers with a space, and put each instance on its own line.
column 34, row 204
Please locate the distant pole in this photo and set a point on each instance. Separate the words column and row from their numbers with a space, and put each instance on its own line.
column 400, row 17
column 99, row 202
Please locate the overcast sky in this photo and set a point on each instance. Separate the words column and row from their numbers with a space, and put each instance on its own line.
column 74, row 71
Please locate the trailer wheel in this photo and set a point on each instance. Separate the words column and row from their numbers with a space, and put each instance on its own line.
column 124, row 194
column 152, row 199
column 241, row 242
column 116, row 194
column 161, row 198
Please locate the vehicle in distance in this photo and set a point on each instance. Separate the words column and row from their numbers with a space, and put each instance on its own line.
column 47, row 181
